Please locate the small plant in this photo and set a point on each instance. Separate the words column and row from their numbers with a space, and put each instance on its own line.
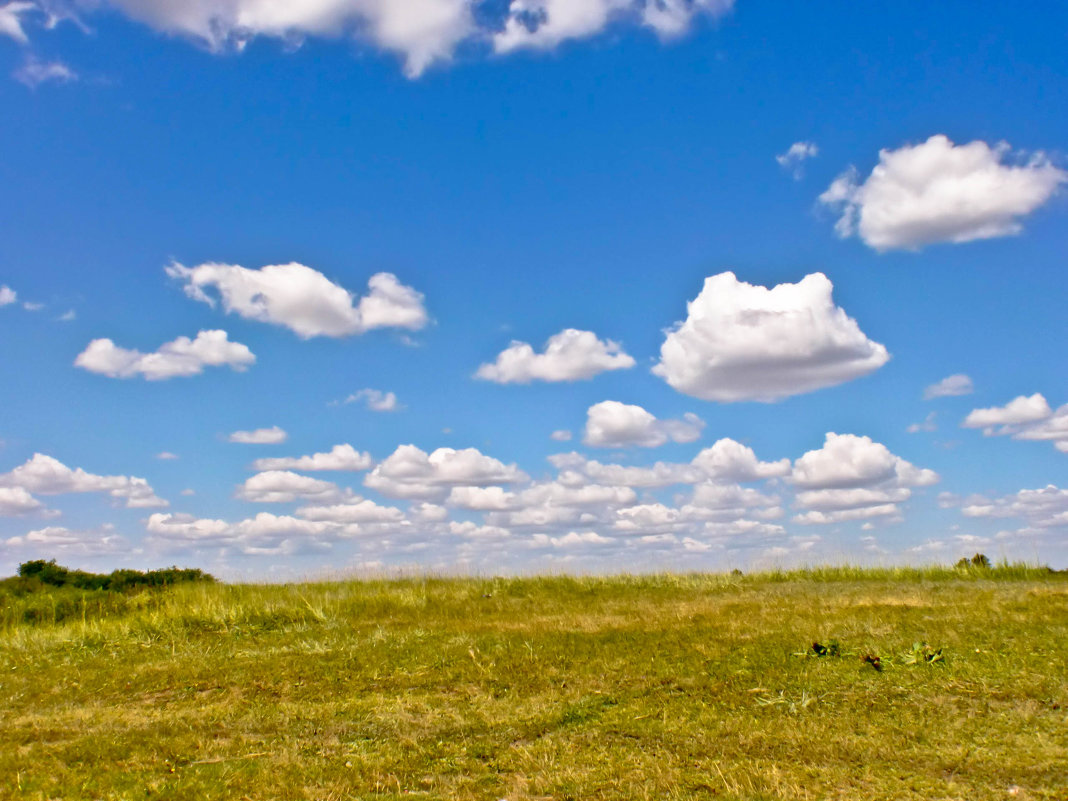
column 874, row 661
column 922, row 653
column 830, row 649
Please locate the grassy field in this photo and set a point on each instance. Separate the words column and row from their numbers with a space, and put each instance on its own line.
column 686, row 686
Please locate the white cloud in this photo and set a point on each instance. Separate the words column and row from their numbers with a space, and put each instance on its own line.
column 35, row 72
column 283, row 486
column 1040, row 509
column 67, row 316
column 1016, row 412
column 340, row 457
column 728, row 460
column 1024, row 418
column 375, row 400
column 265, row 534
column 743, row 342
column 7, row 295
column 61, row 541
column 611, row 424
column 950, row 386
column 30, row 306
column 166, row 456
column 304, row 300
column 571, row 355
column 571, row 540
column 409, row 472
column 359, row 511
column 847, row 461
column 11, row 22
column 45, row 475
column 940, row 192
column 15, row 501
column 851, row 478
column 928, row 424
column 544, row 24
column 576, row 470
column 561, row 435
column 182, row 357
column 259, row 436
column 795, row 156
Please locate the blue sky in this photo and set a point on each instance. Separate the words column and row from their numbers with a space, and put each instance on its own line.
column 738, row 227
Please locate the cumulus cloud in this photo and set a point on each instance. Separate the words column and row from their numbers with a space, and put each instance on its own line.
column 853, row 477
column 35, row 72
column 409, row 472
column 16, row 501
column 259, row 436
column 571, row 355
column 937, row 191
column 61, row 541
column 1025, row 418
column 264, row 534
column 304, row 300
column 180, row 358
column 742, row 342
column 7, row 295
column 611, row 424
column 284, row 486
column 950, row 386
column 358, row 510
column 340, row 457
column 561, row 435
column 728, row 460
column 45, row 475
column 1040, row 509
column 795, row 156
column 11, row 19
column 375, row 399
column 544, row 24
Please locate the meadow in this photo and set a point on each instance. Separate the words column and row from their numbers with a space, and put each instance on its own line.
column 936, row 683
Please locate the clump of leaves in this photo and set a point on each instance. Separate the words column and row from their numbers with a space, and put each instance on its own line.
column 830, row 649
column 922, row 653
column 873, row 660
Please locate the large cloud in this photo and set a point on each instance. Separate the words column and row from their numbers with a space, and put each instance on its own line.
column 611, row 424
column 1027, row 418
column 45, row 475
column 182, row 357
column 340, row 457
column 284, row 486
column 940, row 192
column 571, row 355
column 852, row 478
column 304, row 300
column 409, row 472
column 421, row 32
column 743, row 342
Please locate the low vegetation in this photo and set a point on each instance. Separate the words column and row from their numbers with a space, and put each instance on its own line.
column 945, row 683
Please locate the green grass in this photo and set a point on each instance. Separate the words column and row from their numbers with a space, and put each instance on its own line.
column 669, row 686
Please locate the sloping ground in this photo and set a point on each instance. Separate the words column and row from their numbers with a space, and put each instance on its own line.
column 628, row 687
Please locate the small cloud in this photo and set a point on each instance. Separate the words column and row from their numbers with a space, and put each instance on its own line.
column 7, row 295
column 611, row 424
column 33, row 73
column 950, row 386
column 562, row 435
column 260, row 436
column 187, row 492
column 10, row 21
column 67, row 316
column 794, row 158
column 166, row 456
column 928, row 424
column 32, row 307
column 179, row 358
column 571, row 355
column 375, row 400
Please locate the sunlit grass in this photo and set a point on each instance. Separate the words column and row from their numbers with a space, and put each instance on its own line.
column 666, row 686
